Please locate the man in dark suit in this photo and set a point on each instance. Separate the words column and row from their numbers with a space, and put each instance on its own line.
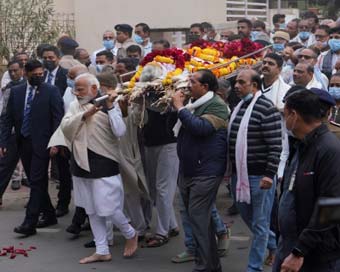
column 35, row 110
column 57, row 76
column 10, row 161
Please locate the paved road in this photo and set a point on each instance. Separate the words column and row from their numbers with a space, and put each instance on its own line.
column 57, row 252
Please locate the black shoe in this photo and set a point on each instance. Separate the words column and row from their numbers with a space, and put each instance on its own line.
column 46, row 222
column 15, row 185
column 61, row 212
column 74, row 229
column 233, row 210
column 26, row 230
column 90, row 244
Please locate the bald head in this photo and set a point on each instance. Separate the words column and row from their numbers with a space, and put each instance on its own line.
column 248, row 81
column 76, row 71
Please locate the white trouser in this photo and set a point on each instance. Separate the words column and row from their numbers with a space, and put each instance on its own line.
column 162, row 173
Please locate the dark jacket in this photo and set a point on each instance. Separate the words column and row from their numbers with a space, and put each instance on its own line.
column 46, row 114
column 318, row 175
column 60, row 79
column 202, row 140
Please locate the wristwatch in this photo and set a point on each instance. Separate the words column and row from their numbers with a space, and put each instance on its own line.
column 297, row 252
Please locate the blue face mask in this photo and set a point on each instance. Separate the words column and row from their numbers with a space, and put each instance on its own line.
column 108, row 44
column 99, row 67
column 304, row 35
column 335, row 92
column 334, row 44
column 138, row 39
column 70, row 83
column 248, row 97
column 254, row 34
column 278, row 47
column 282, row 26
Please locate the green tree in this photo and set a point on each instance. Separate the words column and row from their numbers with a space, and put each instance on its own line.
column 26, row 23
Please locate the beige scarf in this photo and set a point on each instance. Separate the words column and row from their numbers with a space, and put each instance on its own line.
column 95, row 134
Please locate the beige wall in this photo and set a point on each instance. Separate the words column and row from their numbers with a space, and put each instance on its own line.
column 64, row 6
column 93, row 17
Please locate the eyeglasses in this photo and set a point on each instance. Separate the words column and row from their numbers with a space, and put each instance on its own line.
column 305, row 57
column 108, row 38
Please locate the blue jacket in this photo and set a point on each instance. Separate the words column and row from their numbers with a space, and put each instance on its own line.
column 46, row 114
column 202, row 140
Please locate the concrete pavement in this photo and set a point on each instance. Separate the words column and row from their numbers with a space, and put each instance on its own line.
column 57, row 252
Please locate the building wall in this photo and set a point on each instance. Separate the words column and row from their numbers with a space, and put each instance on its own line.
column 92, row 18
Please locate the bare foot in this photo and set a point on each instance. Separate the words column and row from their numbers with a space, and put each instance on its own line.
column 131, row 246
column 96, row 258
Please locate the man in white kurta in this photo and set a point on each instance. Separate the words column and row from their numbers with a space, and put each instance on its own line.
column 93, row 133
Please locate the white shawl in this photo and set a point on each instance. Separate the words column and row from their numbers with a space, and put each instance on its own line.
column 241, row 151
column 191, row 107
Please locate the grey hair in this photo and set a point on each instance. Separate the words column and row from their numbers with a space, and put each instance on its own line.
column 91, row 79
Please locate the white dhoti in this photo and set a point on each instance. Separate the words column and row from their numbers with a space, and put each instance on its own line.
column 103, row 200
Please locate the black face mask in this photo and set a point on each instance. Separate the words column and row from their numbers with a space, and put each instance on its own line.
column 87, row 63
column 50, row 65
column 36, row 80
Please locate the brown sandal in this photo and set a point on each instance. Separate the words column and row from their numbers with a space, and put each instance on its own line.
column 156, row 241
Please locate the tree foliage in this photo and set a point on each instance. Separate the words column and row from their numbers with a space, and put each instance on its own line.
column 26, row 23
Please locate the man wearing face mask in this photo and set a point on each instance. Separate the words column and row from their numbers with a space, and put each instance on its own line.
column 103, row 58
column 312, row 172
column 54, row 74
column 142, row 37
column 35, row 110
column 254, row 149
column 322, row 38
column 329, row 59
column 109, row 44
column 124, row 37
column 57, row 76
column 305, row 36
column 280, row 39
column 334, row 91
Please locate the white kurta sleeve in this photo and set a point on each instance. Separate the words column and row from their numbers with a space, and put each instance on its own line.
column 116, row 121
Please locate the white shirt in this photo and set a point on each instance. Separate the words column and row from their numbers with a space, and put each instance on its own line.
column 311, row 40
column 93, row 56
column 54, row 73
column 5, row 80
column 68, row 98
column 148, row 48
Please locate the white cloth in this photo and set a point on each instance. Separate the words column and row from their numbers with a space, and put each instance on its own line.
column 191, row 107
column 100, row 232
column 311, row 40
column 5, row 79
column 99, row 133
column 314, row 83
column 241, row 150
column 68, row 98
column 147, row 48
column 102, row 196
column 277, row 92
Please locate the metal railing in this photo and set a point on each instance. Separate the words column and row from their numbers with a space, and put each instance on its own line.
column 247, row 9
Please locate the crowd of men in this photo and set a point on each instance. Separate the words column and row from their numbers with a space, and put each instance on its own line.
column 271, row 133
